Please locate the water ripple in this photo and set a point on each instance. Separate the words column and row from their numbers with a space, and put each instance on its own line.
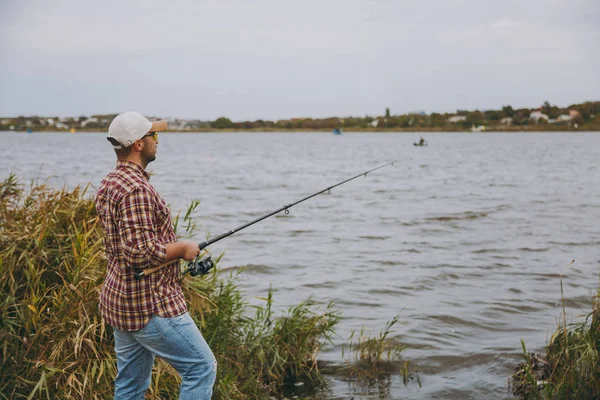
column 469, row 215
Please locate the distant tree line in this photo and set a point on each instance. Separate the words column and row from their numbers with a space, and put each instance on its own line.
column 547, row 116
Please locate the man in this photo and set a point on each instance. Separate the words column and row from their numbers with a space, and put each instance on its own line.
column 149, row 316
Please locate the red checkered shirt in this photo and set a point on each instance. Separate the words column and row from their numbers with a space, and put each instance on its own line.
column 137, row 226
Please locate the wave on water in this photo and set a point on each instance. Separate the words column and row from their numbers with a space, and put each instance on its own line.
column 250, row 268
column 535, row 276
column 431, row 282
column 588, row 206
column 392, row 292
column 452, row 361
column 388, row 262
column 484, row 251
column 513, row 307
column 434, row 231
column 375, row 237
column 352, row 304
column 500, row 265
column 415, row 223
column 542, row 249
column 322, row 285
column 283, row 215
column 503, row 185
column 506, row 257
column 299, row 232
column 469, row 215
column 252, row 214
column 225, row 215
column 444, row 265
column 575, row 243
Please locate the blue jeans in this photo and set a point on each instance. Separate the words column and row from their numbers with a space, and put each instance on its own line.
column 176, row 340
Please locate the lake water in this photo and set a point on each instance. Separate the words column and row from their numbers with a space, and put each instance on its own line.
column 465, row 240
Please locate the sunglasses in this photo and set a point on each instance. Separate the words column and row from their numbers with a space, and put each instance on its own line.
column 154, row 135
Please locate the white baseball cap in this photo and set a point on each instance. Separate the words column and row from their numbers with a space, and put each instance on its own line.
column 128, row 127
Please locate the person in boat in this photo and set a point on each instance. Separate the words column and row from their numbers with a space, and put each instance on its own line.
column 421, row 141
column 149, row 316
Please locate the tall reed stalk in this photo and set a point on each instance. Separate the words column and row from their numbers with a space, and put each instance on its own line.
column 571, row 368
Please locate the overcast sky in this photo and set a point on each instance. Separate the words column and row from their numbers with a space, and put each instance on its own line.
column 274, row 59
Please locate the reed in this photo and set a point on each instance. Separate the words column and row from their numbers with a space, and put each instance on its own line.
column 370, row 350
column 53, row 342
column 374, row 360
column 571, row 367
column 55, row 345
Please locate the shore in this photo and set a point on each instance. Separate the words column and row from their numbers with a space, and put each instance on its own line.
column 515, row 129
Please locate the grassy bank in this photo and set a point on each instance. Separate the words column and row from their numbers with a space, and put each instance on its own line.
column 570, row 369
column 55, row 345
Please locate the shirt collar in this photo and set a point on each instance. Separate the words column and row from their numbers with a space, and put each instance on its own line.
column 133, row 166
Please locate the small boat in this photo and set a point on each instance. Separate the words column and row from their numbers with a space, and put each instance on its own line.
column 29, row 130
column 421, row 143
column 337, row 131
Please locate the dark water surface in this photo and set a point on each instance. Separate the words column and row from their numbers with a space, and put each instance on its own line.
column 465, row 240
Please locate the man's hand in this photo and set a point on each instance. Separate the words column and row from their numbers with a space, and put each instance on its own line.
column 190, row 250
column 185, row 249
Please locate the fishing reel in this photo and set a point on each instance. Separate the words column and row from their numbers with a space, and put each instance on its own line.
column 200, row 266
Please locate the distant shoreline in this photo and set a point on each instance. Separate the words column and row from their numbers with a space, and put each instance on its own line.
column 545, row 118
column 515, row 129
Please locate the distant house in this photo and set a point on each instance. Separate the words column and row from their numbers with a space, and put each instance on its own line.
column 574, row 114
column 375, row 123
column 457, row 118
column 506, row 121
column 50, row 121
column 60, row 125
column 537, row 115
column 564, row 118
column 181, row 124
column 89, row 121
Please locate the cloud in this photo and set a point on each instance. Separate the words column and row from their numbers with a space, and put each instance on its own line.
column 273, row 59
column 504, row 23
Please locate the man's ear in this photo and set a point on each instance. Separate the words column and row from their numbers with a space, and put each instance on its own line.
column 139, row 145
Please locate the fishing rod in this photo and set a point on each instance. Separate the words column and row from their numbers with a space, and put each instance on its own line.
column 204, row 265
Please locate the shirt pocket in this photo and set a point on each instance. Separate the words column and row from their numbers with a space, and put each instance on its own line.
column 163, row 214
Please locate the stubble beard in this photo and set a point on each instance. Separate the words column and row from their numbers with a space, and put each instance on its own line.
column 147, row 158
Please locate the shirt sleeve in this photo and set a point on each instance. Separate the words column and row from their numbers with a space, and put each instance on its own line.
column 141, row 248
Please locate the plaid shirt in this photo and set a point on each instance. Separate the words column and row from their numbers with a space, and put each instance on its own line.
column 137, row 226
